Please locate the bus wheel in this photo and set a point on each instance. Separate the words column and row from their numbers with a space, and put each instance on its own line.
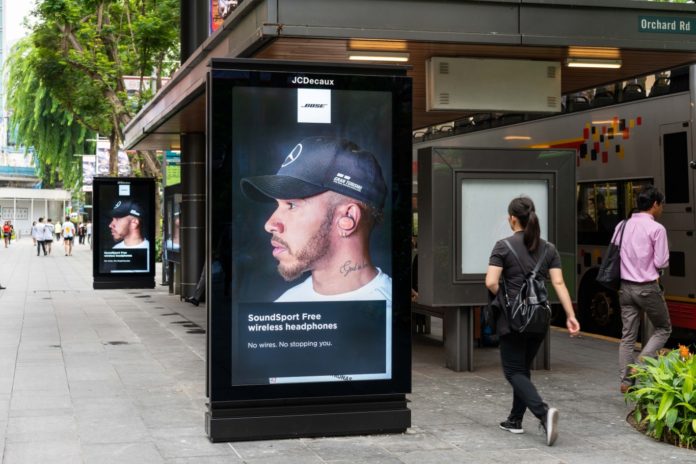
column 598, row 308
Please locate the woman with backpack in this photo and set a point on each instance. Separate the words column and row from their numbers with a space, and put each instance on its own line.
column 513, row 266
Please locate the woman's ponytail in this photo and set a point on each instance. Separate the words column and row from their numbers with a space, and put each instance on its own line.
column 523, row 209
column 532, row 232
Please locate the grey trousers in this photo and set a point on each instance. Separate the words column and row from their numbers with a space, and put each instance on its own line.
column 636, row 299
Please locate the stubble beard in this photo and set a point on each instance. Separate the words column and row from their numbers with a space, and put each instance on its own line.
column 316, row 248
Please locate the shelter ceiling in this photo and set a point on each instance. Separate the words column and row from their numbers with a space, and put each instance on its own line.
column 635, row 62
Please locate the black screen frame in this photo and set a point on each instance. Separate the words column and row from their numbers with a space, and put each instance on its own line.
column 224, row 76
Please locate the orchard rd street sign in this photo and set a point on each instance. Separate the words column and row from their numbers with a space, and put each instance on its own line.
column 666, row 25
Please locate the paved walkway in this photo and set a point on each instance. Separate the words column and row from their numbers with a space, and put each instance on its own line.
column 117, row 376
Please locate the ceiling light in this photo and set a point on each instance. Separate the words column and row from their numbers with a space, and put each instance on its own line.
column 517, row 137
column 594, row 52
column 362, row 55
column 593, row 63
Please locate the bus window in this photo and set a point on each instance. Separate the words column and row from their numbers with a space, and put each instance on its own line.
column 676, row 159
column 602, row 205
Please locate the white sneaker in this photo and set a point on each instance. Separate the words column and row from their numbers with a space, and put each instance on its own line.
column 551, row 426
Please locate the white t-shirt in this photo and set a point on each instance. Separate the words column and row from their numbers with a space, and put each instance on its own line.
column 379, row 288
column 48, row 231
column 37, row 231
column 68, row 229
column 121, row 245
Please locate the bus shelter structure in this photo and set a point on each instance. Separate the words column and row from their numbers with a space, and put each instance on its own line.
column 645, row 37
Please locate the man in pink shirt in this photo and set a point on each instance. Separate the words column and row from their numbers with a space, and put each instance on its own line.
column 644, row 252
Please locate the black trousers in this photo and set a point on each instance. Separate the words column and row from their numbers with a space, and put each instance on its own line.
column 517, row 352
column 40, row 245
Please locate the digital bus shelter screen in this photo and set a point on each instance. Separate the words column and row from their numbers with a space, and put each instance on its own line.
column 484, row 217
column 125, row 228
column 311, row 258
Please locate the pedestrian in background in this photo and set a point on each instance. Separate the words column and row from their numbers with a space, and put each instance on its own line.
column 517, row 349
column 37, row 232
column 81, row 232
column 68, row 235
column 7, row 233
column 48, row 235
column 58, row 229
column 644, row 253
column 88, row 228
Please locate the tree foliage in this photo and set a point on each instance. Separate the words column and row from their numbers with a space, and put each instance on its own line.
column 41, row 121
column 77, row 56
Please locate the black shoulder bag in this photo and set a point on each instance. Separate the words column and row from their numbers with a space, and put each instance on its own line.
column 609, row 274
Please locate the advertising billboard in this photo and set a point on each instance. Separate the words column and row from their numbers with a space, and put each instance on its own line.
column 309, row 203
column 123, row 231
column 171, row 230
column 89, row 167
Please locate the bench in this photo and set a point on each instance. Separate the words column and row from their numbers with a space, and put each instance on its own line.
column 458, row 323
column 458, row 332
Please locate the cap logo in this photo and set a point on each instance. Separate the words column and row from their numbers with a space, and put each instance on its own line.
column 294, row 154
column 117, row 205
column 344, row 180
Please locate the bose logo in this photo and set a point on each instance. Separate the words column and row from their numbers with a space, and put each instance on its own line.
column 307, row 80
column 315, row 105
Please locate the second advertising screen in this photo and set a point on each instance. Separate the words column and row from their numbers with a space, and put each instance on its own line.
column 124, row 244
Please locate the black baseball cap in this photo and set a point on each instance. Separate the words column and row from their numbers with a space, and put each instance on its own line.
column 319, row 164
column 124, row 208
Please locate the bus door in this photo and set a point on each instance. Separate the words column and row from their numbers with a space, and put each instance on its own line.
column 677, row 178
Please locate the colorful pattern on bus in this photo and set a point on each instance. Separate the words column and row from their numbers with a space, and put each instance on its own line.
column 599, row 138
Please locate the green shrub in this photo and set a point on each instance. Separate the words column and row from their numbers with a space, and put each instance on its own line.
column 665, row 398
column 158, row 249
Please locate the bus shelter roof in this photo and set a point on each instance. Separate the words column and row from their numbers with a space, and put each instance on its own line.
column 328, row 30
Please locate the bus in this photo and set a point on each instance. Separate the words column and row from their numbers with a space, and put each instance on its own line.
column 625, row 137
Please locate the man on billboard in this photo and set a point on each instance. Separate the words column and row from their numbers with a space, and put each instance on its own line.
column 330, row 195
column 126, row 225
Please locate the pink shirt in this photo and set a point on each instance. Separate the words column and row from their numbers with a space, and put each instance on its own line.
column 644, row 248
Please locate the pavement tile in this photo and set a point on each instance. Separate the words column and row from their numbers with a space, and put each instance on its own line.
column 190, row 446
column 110, row 429
column 43, row 451
column 45, row 427
column 121, row 453
column 206, row 460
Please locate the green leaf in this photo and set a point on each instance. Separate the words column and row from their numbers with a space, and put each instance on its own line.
column 665, row 404
column 671, row 417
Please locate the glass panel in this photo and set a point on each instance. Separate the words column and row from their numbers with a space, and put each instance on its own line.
column 485, row 219
column 602, row 205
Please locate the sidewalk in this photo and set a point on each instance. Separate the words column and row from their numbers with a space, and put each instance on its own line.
column 117, row 376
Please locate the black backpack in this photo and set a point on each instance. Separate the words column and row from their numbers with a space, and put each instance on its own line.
column 530, row 311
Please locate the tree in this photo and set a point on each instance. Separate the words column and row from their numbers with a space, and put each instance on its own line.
column 81, row 52
column 41, row 121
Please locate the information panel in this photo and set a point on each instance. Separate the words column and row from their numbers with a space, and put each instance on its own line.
column 304, row 222
column 124, row 230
